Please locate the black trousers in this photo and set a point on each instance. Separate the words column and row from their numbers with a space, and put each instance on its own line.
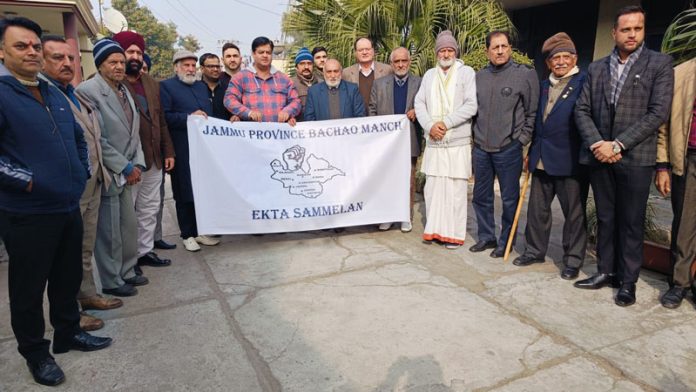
column 572, row 195
column 43, row 249
column 683, row 247
column 186, row 216
column 621, row 196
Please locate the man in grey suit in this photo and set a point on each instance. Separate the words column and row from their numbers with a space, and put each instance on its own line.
column 626, row 98
column 366, row 70
column 116, row 247
column 395, row 95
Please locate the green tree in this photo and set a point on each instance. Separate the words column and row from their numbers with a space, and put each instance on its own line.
column 159, row 37
column 413, row 24
column 190, row 43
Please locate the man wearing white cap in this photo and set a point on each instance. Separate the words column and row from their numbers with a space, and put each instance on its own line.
column 183, row 95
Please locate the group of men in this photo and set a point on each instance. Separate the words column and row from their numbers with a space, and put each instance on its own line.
column 83, row 168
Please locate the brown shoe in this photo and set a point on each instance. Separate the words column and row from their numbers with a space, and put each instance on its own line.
column 90, row 323
column 100, row 303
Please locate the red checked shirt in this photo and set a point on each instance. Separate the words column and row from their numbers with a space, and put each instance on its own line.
column 247, row 92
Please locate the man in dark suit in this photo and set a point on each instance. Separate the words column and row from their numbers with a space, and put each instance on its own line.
column 626, row 98
column 333, row 98
column 183, row 95
column 553, row 157
column 395, row 95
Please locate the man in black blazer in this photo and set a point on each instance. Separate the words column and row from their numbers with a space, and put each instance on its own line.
column 626, row 98
column 553, row 157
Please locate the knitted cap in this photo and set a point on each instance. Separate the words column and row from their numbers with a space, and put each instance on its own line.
column 103, row 48
column 559, row 42
column 128, row 38
column 446, row 40
column 302, row 55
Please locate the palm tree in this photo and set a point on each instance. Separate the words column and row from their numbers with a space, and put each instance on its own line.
column 680, row 37
column 414, row 24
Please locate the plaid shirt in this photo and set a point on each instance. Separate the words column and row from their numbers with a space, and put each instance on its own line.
column 247, row 92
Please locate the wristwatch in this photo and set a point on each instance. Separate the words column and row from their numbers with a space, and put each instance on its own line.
column 615, row 147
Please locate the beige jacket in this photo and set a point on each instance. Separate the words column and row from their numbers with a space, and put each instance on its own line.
column 680, row 120
column 352, row 73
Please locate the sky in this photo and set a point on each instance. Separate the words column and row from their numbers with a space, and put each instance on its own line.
column 212, row 21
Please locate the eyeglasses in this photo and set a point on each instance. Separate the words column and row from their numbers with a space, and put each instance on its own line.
column 210, row 66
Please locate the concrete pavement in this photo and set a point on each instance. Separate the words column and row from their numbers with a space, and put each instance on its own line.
column 372, row 311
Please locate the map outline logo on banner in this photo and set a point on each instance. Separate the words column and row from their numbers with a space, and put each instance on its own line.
column 303, row 177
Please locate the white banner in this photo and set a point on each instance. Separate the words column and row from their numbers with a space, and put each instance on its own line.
column 270, row 177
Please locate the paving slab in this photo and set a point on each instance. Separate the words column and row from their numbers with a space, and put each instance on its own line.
column 578, row 374
column 5, row 328
column 664, row 359
column 588, row 318
column 180, row 349
column 365, row 330
column 246, row 263
column 364, row 310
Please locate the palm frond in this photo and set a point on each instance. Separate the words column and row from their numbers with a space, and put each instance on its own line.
column 680, row 37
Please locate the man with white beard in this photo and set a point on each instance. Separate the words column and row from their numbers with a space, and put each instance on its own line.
column 334, row 98
column 183, row 95
column 445, row 105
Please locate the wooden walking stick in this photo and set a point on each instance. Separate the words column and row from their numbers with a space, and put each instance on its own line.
column 508, row 246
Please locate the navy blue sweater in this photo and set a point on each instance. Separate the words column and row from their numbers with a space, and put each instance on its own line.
column 41, row 143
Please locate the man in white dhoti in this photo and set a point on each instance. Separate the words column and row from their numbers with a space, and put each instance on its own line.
column 445, row 105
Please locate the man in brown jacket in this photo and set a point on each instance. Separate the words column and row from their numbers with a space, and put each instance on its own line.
column 59, row 70
column 676, row 147
column 304, row 77
column 156, row 143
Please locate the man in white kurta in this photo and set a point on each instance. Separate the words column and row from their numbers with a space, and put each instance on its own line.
column 445, row 105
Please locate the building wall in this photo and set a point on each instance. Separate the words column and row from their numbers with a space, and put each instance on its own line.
column 536, row 24
column 54, row 16
column 589, row 24
column 604, row 43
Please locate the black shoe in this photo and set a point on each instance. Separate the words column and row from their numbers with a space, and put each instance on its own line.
column 483, row 245
column 525, row 260
column 570, row 273
column 138, row 271
column 597, row 281
column 81, row 341
column 46, row 372
column 122, row 291
column 498, row 253
column 162, row 244
column 626, row 295
column 673, row 297
column 137, row 281
column 151, row 259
